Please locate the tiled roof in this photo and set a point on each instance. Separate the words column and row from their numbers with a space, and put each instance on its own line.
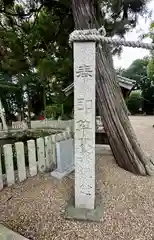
column 123, row 82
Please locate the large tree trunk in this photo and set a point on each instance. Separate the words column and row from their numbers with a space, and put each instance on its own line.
column 125, row 147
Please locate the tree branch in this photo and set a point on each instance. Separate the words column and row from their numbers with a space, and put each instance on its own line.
column 31, row 11
column 36, row 16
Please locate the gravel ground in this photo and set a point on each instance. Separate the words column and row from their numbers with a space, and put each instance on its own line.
column 35, row 208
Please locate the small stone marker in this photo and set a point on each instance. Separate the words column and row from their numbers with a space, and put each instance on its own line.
column 48, row 153
column 41, row 155
column 21, row 161
column 53, row 138
column 9, row 164
column 65, row 158
column 32, row 158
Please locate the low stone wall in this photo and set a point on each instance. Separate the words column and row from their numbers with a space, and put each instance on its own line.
column 19, row 125
column 55, row 124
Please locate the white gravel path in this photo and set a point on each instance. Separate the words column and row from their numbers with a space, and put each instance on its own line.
column 35, row 208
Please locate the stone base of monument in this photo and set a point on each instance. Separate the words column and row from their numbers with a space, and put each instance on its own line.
column 83, row 214
column 60, row 175
column 6, row 233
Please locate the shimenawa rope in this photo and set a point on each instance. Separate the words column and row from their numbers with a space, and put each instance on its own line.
column 99, row 36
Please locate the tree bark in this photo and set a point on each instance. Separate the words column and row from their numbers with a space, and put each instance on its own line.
column 112, row 108
column 29, row 111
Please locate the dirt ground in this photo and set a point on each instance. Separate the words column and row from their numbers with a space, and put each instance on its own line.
column 35, row 208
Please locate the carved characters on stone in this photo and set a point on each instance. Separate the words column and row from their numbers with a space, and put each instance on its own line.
column 84, row 71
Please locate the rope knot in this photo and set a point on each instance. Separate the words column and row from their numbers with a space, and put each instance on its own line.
column 86, row 35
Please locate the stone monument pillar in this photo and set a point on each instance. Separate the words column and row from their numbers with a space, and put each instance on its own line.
column 84, row 121
column 84, row 205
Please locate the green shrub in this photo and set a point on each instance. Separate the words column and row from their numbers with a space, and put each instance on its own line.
column 134, row 102
column 53, row 111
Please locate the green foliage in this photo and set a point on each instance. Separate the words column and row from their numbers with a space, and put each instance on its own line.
column 134, row 102
column 138, row 71
column 53, row 111
column 120, row 16
column 150, row 69
column 34, row 48
column 141, row 70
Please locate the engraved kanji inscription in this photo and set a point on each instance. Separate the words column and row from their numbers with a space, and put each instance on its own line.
column 80, row 104
column 84, row 71
column 88, row 105
column 83, row 124
column 84, row 105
